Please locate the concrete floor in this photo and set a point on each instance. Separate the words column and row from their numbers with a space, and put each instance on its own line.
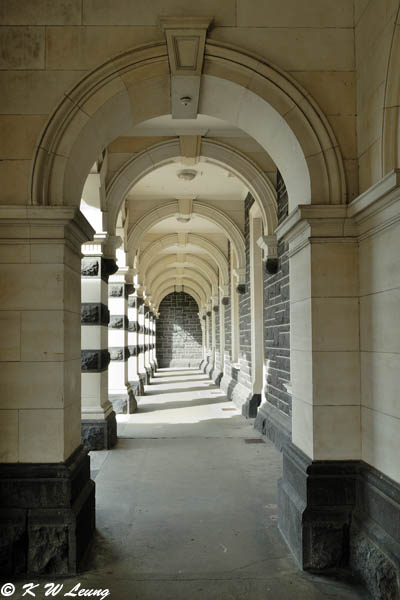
column 186, row 505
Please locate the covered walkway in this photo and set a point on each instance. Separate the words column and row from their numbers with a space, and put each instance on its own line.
column 186, row 505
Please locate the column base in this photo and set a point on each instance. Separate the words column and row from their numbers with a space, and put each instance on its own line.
column 47, row 516
column 143, row 378
column 136, row 387
column 99, row 434
column 123, row 402
column 337, row 515
column 274, row 424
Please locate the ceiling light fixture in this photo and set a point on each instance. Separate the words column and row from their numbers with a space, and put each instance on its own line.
column 187, row 175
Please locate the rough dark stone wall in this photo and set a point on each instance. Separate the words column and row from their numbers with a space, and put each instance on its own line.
column 245, row 306
column 179, row 340
column 277, row 319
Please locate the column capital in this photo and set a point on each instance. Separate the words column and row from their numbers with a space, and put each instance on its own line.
column 312, row 222
column 269, row 246
column 46, row 222
column 103, row 245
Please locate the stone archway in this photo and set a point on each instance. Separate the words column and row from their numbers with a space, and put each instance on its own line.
column 214, row 152
column 134, row 87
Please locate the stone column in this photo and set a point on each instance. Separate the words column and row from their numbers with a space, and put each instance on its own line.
column 317, row 490
column 99, row 426
column 119, row 391
column 47, row 497
column 133, row 346
column 141, row 339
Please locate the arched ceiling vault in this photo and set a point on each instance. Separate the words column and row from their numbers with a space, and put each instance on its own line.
column 185, row 260
column 211, row 151
column 155, row 249
column 179, row 275
column 209, row 213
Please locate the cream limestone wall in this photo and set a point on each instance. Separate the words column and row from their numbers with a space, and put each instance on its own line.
column 48, row 46
column 377, row 213
column 375, row 24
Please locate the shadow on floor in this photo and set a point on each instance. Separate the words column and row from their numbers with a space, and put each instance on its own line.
column 180, row 390
column 184, row 404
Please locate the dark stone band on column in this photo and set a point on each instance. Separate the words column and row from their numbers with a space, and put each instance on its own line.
column 133, row 350
column 47, row 516
column 118, row 322
column 120, row 353
column 94, row 313
column 132, row 301
column 97, row 266
column 115, row 290
column 133, row 326
column 94, row 361
column 99, row 434
column 90, row 267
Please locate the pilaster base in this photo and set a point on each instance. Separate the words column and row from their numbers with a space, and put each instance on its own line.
column 47, row 516
column 124, row 402
column 216, row 375
column 241, row 396
column 99, row 434
column 137, row 387
column 143, row 378
column 338, row 515
column 274, row 424
column 209, row 367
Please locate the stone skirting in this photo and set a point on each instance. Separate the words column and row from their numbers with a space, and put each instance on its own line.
column 47, row 516
column 99, row 434
column 274, row 424
column 375, row 534
column 338, row 515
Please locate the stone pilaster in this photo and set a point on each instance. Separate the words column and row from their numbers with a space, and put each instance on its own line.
column 47, row 497
column 325, row 373
column 119, row 391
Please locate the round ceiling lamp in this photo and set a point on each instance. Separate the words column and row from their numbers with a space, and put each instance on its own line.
column 187, row 174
